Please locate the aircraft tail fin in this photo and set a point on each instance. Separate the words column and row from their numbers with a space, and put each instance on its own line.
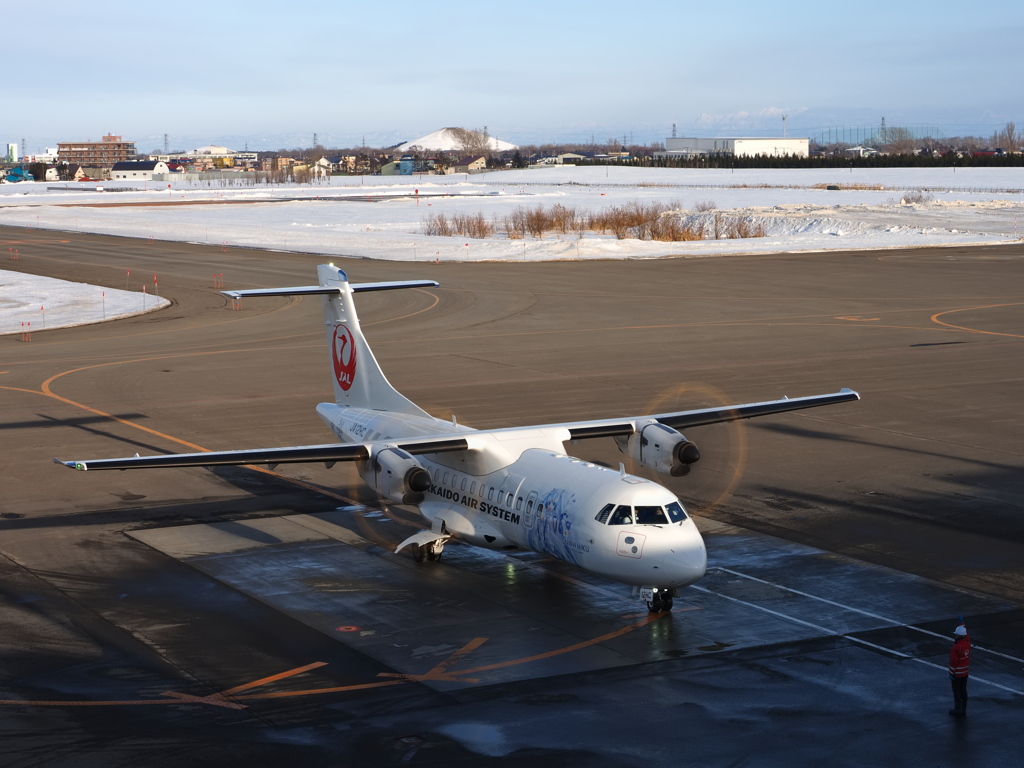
column 357, row 377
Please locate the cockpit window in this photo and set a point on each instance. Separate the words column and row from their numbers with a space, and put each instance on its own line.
column 623, row 516
column 675, row 511
column 602, row 516
column 650, row 516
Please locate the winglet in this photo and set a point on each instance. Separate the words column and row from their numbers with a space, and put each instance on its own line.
column 848, row 391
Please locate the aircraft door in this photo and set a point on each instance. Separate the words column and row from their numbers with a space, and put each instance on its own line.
column 531, row 506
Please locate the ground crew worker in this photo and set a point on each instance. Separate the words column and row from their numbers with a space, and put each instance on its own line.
column 959, row 669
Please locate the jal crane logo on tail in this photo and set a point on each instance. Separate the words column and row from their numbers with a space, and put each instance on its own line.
column 343, row 354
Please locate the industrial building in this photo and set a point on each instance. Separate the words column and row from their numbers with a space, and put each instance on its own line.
column 96, row 154
column 736, row 146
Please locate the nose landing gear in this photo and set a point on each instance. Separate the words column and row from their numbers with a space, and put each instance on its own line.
column 658, row 599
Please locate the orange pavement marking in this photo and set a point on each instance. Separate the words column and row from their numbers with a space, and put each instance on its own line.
column 937, row 315
column 440, row 672
column 274, row 678
column 568, row 649
column 214, row 700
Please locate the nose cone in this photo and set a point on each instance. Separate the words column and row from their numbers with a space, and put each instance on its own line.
column 687, row 559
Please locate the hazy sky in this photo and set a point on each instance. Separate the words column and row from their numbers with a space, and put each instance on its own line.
column 273, row 73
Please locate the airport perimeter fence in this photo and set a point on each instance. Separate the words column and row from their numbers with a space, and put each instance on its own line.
column 872, row 187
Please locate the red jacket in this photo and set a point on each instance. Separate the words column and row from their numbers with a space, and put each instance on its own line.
column 960, row 657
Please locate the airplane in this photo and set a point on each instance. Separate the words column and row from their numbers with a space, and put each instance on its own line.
column 504, row 489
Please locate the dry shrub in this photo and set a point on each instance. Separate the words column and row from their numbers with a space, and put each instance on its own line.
column 472, row 225
column 635, row 219
column 744, row 227
column 437, row 224
column 917, row 196
column 703, row 206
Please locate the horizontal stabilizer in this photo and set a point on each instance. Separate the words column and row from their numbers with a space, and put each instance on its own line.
column 320, row 290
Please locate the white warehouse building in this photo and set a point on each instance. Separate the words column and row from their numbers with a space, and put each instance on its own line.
column 738, row 146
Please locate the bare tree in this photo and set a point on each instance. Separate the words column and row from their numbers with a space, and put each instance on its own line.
column 1008, row 138
column 899, row 141
column 471, row 142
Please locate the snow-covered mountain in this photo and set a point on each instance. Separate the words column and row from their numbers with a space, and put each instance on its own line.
column 455, row 140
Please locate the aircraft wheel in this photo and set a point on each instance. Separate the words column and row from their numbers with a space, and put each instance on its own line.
column 419, row 553
column 667, row 603
column 656, row 605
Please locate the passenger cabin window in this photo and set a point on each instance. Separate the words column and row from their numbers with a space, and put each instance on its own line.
column 445, row 481
column 602, row 516
column 490, row 493
column 675, row 512
column 519, row 503
column 464, row 482
column 622, row 516
column 651, row 516
column 472, row 488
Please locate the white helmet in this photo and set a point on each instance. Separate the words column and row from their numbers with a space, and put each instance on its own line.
column 960, row 631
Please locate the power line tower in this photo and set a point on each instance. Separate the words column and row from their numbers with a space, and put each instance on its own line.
column 315, row 145
column 167, row 145
column 673, row 130
column 23, row 152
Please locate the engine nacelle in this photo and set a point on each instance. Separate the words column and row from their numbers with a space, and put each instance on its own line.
column 661, row 448
column 396, row 476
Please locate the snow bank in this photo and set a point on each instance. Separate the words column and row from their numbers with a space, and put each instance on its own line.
column 29, row 302
column 382, row 217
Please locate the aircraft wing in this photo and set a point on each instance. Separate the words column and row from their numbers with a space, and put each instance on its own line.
column 697, row 418
column 329, row 454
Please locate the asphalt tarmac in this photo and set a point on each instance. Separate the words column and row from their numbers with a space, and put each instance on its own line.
column 236, row 616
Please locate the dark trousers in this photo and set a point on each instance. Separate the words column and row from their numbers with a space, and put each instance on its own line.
column 959, row 691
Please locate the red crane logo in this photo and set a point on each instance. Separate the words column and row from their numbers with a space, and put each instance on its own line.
column 343, row 354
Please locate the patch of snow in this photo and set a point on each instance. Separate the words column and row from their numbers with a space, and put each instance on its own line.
column 379, row 217
column 30, row 302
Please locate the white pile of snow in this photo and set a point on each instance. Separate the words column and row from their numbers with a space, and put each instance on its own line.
column 382, row 217
column 32, row 303
column 447, row 140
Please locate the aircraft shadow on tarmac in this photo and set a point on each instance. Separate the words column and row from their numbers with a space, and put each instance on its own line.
column 82, row 422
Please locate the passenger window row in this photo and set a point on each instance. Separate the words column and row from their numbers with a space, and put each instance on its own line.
column 471, row 487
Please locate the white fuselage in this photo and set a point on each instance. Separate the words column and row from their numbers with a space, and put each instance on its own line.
column 517, row 489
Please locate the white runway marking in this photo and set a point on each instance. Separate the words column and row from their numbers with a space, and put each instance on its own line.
column 834, row 633
column 893, row 622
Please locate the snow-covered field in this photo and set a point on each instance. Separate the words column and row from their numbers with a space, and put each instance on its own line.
column 381, row 217
column 32, row 303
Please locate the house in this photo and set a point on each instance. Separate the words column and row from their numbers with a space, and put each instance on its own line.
column 471, row 164
column 17, row 173
column 138, row 170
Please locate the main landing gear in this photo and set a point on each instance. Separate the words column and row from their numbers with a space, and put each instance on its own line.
column 430, row 551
